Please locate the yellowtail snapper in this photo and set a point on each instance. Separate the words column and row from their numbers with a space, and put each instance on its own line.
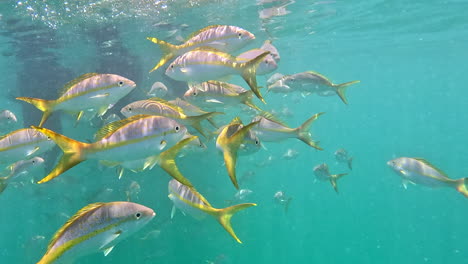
column 20, row 168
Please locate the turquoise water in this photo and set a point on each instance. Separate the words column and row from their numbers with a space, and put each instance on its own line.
column 411, row 61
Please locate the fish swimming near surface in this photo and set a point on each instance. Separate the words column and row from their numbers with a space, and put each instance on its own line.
column 322, row 173
column 205, row 64
column 161, row 107
column 134, row 138
column 193, row 203
column 270, row 129
column 229, row 141
column 96, row 227
column 222, row 37
column 310, row 82
column 268, row 64
column 420, row 171
column 341, row 155
column 20, row 168
column 23, row 144
column 90, row 92
column 219, row 94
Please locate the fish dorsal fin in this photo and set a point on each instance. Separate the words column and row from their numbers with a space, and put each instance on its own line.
column 236, row 120
column 164, row 102
column 319, row 75
column 75, row 81
column 112, row 127
column 432, row 166
column 200, row 31
column 83, row 211
column 217, row 51
column 273, row 118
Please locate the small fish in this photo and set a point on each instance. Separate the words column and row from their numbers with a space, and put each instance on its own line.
column 132, row 191
column 268, row 64
column 341, row 155
column 191, row 202
column 271, row 129
column 90, row 91
column 158, row 90
column 96, row 227
column 323, row 174
column 274, row 78
column 290, row 154
column 21, row 167
column 160, row 107
column 216, row 94
column 134, row 138
column 23, row 144
column 7, row 120
column 204, row 64
column 242, row 194
column 310, row 82
column 221, row 37
column 419, row 171
column 229, row 142
column 154, row 234
column 282, row 199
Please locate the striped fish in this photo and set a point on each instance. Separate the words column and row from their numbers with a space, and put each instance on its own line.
column 96, row 227
column 91, row 92
column 191, row 202
column 133, row 138
column 160, row 107
column 268, row 64
column 23, row 144
column 204, row 64
column 221, row 37
column 216, row 94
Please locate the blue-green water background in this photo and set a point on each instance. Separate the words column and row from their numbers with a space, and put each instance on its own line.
column 410, row 56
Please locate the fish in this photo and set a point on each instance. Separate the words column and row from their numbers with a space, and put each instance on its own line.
column 274, row 78
column 193, row 203
column 19, row 168
column 23, row 144
column 219, row 94
column 242, row 194
column 222, row 37
column 190, row 109
column 7, row 120
column 290, row 154
column 158, row 89
column 136, row 137
column 420, row 171
column 310, row 82
column 132, row 191
column 322, row 173
column 341, row 155
column 90, row 91
column 205, row 64
column 268, row 46
column 96, row 227
column 282, row 199
column 268, row 64
column 229, row 142
column 271, row 129
column 161, row 107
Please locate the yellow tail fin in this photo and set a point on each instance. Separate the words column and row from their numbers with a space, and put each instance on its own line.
column 46, row 106
column 167, row 50
column 249, row 71
column 334, row 178
column 73, row 152
column 341, row 90
column 303, row 132
column 462, row 186
column 247, row 100
column 195, row 121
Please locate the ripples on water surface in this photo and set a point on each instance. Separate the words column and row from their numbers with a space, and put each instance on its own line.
column 409, row 55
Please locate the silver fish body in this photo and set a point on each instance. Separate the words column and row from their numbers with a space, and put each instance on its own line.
column 268, row 64
column 25, row 167
column 322, row 172
column 177, row 191
column 158, row 89
column 7, row 120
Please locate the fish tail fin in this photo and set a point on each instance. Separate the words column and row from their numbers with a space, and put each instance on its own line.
column 167, row 50
column 46, row 106
column 3, row 183
column 462, row 186
column 230, row 151
column 166, row 161
column 247, row 100
column 303, row 132
column 341, row 90
column 73, row 152
column 350, row 163
column 195, row 121
column 334, row 180
column 224, row 217
column 249, row 71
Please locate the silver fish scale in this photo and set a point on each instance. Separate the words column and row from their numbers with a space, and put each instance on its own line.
column 21, row 136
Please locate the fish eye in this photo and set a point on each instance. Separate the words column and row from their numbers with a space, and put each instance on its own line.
column 33, row 161
column 194, row 93
column 120, row 83
column 138, row 215
column 240, row 34
column 8, row 118
column 177, row 128
column 256, row 142
column 129, row 109
column 172, row 66
column 48, row 138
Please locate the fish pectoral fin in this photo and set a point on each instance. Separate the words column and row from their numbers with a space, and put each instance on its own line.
column 403, row 172
column 78, row 118
column 184, row 70
column 173, row 211
column 162, row 144
column 150, row 162
column 32, row 151
column 406, row 182
column 107, row 251
column 100, row 95
column 102, row 110
column 214, row 101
